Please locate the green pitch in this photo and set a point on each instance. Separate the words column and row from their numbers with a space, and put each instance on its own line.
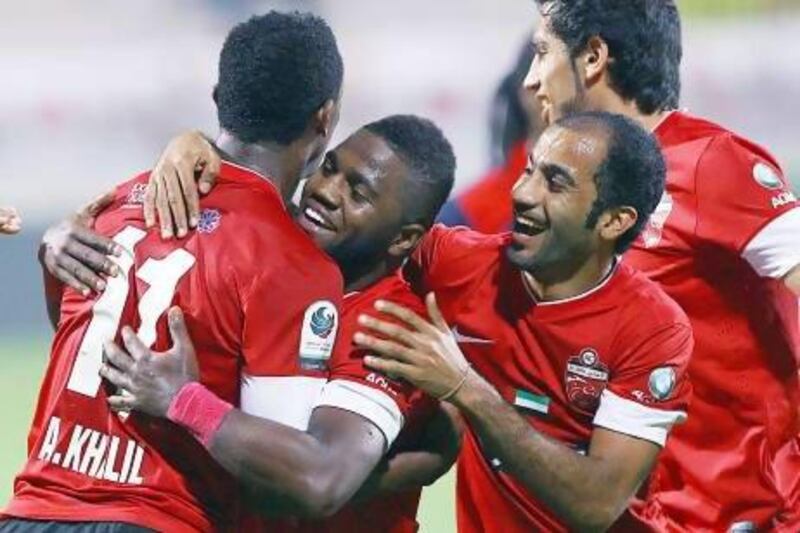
column 21, row 366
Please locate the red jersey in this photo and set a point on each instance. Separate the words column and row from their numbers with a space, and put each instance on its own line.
column 723, row 235
column 613, row 357
column 399, row 410
column 258, row 296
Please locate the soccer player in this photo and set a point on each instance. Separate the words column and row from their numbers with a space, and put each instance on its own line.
column 10, row 221
column 261, row 299
column 577, row 361
column 370, row 203
column 723, row 242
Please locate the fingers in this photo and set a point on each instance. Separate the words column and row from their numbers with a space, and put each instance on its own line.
column 435, row 314
column 115, row 377
column 406, row 315
column 10, row 221
column 178, row 330
column 210, row 171
column 384, row 348
column 98, row 242
column 116, row 357
column 78, row 271
column 392, row 331
column 190, row 196
column 135, row 346
column 94, row 260
column 122, row 403
column 394, row 369
column 150, row 202
column 177, row 206
column 162, row 207
column 64, row 276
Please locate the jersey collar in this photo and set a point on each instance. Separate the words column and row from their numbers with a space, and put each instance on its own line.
column 603, row 282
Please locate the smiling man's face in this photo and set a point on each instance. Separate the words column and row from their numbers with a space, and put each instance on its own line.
column 552, row 201
column 353, row 205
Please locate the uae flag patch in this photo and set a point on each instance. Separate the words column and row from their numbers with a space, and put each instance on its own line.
column 532, row 402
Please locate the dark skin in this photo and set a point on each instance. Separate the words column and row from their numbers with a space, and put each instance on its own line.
column 551, row 202
column 352, row 208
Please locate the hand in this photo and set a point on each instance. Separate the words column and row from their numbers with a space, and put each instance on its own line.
column 150, row 380
column 172, row 193
column 423, row 353
column 74, row 254
column 10, row 221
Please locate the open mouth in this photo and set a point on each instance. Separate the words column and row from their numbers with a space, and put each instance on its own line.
column 317, row 218
column 528, row 226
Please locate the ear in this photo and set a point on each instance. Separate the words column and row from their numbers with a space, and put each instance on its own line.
column 595, row 59
column 615, row 222
column 325, row 118
column 406, row 240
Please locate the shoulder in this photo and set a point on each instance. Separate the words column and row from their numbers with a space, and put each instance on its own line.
column 645, row 305
column 461, row 243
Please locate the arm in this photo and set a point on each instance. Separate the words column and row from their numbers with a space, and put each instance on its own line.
column 187, row 168
column 71, row 254
column 589, row 492
column 315, row 471
column 792, row 280
column 433, row 456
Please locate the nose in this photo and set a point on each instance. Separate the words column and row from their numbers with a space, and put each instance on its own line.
column 532, row 82
column 327, row 190
column 529, row 191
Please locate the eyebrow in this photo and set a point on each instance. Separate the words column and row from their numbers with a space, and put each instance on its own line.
column 332, row 159
column 552, row 169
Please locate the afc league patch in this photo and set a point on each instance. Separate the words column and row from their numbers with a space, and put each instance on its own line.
column 585, row 379
column 318, row 335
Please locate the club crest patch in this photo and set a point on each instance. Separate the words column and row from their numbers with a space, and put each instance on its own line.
column 209, row 220
column 318, row 335
column 585, row 379
column 662, row 383
column 766, row 177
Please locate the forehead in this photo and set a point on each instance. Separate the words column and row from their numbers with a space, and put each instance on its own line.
column 581, row 151
column 369, row 155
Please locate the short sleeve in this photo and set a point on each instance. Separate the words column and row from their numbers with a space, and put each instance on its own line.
column 740, row 191
column 649, row 391
column 385, row 402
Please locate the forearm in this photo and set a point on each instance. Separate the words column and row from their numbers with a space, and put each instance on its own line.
column 577, row 487
column 278, row 462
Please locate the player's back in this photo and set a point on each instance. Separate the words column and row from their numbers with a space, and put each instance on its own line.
column 244, row 279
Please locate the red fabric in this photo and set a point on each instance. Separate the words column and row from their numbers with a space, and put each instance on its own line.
column 199, row 410
column 244, row 298
column 725, row 464
column 517, row 344
column 486, row 204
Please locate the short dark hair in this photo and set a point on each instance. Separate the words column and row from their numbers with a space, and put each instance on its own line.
column 644, row 41
column 632, row 173
column 424, row 149
column 275, row 70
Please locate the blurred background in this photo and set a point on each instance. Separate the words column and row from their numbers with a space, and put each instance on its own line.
column 93, row 90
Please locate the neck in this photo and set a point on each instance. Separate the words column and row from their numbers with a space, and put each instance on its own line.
column 277, row 163
column 588, row 276
column 612, row 103
column 356, row 279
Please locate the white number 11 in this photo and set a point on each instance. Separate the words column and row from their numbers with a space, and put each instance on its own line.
column 162, row 276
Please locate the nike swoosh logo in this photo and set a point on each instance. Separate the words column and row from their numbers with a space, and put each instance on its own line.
column 467, row 339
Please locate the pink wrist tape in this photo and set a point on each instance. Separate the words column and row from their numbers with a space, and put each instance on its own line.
column 199, row 410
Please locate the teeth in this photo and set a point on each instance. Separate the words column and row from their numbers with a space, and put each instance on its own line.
column 315, row 216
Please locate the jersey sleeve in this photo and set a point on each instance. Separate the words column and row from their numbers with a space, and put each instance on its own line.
column 746, row 205
column 387, row 403
column 649, row 391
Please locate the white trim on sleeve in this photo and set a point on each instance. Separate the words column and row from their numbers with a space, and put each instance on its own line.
column 626, row 416
column 374, row 405
column 775, row 250
column 288, row 400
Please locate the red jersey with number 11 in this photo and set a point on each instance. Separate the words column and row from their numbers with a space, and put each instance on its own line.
column 259, row 298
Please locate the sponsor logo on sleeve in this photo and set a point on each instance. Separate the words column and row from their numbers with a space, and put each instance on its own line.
column 318, row 335
column 210, row 220
column 782, row 199
column 662, row 382
column 585, row 378
column 136, row 195
column 766, row 176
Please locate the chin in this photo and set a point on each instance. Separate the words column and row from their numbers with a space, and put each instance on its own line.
column 520, row 258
